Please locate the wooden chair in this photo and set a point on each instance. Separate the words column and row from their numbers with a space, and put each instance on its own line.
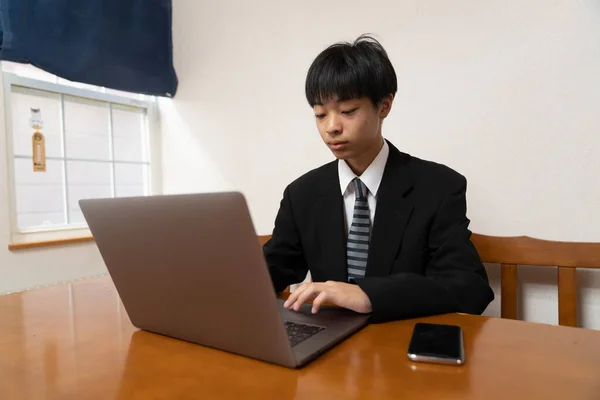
column 264, row 239
column 510, row 252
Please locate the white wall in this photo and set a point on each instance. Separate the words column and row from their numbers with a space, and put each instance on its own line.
column 26, row 269
column 506, row 92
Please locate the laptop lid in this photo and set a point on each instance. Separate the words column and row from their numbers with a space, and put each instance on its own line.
column 190, row 267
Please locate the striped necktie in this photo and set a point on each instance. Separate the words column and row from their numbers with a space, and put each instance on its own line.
column 358, row 238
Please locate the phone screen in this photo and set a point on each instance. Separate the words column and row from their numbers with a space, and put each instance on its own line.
column 436, row 340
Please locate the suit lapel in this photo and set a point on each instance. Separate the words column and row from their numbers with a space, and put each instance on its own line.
column 393, row 211
column 329, row 209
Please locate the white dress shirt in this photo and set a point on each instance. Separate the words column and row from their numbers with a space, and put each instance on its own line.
column 371, row 178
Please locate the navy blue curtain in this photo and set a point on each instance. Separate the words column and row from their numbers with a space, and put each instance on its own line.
column 119, row 44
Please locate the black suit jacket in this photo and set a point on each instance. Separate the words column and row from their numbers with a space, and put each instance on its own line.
column 421, row 259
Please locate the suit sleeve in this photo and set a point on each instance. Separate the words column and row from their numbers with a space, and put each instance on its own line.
column 454, row 281
column 283, row 252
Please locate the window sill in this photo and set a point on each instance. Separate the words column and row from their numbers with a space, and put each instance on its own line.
column 24, row 241
column 46, row 239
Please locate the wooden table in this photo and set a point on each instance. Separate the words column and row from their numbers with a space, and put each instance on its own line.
column 75, row 341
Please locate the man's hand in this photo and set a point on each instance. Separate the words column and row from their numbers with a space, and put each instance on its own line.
column 341, row 294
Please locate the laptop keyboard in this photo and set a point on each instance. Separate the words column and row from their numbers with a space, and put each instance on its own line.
column 300, row 332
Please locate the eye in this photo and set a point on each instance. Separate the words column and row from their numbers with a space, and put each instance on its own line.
column 350, row 112
column 319, row 116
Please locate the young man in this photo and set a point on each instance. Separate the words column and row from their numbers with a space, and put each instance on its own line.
column 381, row 232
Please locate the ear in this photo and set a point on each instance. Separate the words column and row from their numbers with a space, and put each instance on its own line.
column 386, row 106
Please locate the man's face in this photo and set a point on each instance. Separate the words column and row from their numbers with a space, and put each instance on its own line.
column 351, row 128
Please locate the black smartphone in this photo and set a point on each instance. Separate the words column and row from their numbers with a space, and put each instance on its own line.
column 437, row 343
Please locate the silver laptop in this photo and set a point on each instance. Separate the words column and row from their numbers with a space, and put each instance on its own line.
column 191, row 267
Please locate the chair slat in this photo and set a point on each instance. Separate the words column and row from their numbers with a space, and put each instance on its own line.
column 567, row 296
column 509, row 291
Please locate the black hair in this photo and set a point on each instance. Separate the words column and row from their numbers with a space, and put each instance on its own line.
column 346, row 71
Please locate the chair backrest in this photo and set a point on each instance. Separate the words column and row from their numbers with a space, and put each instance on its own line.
column 510, row 252
column 263, row 239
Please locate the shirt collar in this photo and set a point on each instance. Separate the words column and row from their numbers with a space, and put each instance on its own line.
column 372, row 175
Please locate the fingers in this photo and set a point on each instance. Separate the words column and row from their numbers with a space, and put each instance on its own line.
column 338, row 293
column 294, row 295
column 320, row 292
column 307, row 294
column 319, row 300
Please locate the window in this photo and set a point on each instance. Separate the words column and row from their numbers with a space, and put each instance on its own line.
column 97, row 145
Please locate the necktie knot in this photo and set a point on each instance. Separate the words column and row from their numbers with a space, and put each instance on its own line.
column 361, row 189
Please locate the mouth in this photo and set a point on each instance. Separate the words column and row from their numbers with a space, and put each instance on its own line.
column 337, row 145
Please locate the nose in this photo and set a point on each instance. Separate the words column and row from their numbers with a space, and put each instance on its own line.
column 334, row 125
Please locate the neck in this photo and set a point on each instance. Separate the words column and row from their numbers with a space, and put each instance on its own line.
column 360, row 164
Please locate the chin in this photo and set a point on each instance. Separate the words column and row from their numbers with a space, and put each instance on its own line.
column 341, row 154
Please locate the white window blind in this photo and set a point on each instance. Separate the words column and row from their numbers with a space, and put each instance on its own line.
column 97, row 146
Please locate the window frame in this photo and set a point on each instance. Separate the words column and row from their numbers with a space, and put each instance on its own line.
column 65, row 232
